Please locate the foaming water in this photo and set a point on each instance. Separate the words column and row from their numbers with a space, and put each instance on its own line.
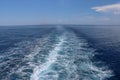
column 60, row 55
column 52, row 57
column 69, row 60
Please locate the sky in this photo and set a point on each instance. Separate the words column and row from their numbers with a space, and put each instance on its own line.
column 83, row 12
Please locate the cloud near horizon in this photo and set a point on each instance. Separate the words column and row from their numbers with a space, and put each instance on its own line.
column 113, row 8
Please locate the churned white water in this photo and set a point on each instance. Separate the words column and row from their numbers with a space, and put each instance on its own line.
column 69, row 60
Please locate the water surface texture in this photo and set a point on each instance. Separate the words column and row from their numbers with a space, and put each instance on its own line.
column 63, row 52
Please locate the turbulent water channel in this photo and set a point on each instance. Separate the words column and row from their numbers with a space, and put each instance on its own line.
column 60, row 55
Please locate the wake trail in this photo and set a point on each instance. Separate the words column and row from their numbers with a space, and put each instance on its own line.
column 70, row 60
column 60, row 55
column 52, row 57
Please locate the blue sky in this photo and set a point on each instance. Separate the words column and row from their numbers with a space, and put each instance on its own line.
column 30, row 12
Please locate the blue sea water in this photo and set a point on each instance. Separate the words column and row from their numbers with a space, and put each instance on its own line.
column 59, row 52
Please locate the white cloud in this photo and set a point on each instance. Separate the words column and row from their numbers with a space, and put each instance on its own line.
column 113, row 8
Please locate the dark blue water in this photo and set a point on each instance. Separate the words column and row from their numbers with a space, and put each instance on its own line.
column 59, row 52
column 106, row 41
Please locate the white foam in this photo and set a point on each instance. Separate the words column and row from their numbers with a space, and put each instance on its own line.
column 51, row 59
column 37, row 48
column 66, row 42
column 88, row 70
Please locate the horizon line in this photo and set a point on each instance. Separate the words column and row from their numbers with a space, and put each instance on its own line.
column 63, row 24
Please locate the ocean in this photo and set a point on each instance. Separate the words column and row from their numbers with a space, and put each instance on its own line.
column 60, row 52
